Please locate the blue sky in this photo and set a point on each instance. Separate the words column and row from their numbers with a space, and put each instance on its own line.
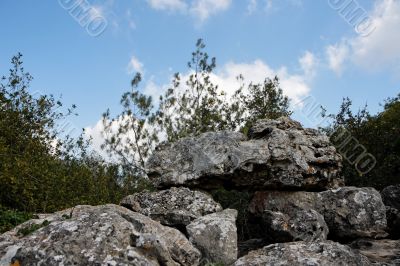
column 310, row 44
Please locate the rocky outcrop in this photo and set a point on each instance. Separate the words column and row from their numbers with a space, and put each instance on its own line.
column 303, row 254
column 173, row 207
column 215, row 236
column 300, row 203
column 349, row 212
column 102, row 235
column 379, row 252
column 278, row 154
column 391, row 196
column 295, row 225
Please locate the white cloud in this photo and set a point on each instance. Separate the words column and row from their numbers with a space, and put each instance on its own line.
column 251, row 6
column 170, row 5
column 200, row 9
column 295, row 86
column 134, row 65
column 337, row 55
column 376, row 51
column 308, row 63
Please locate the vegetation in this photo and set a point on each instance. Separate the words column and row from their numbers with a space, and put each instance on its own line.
column 43, row 169
column 192, row 105
column 379, row 134
column 24, row 231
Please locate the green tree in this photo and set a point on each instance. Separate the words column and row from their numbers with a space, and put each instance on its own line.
column 192, row 105
column 379, row 134
column 41, row 168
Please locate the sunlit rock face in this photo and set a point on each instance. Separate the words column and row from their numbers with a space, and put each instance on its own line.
column 101, row 235
column 277, row 154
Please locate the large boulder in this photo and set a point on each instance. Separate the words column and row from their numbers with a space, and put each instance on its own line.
column 295, row 225
column 379, row 252
column 278, row 154
column 349, row 212
column 101, row 235
column 173, row 207
column 391, row 196
column 215, row 236
column 303, row 254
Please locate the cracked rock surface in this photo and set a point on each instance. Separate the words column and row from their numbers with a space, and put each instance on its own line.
column 172, row 207
column 349, row 212
column 277, row 154
column 101, row 235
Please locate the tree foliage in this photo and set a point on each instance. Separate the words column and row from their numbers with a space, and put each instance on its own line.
column 192, row 104
column 379, row 134
column 41, row 168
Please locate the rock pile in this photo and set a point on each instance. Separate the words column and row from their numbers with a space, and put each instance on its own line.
column 305, row 214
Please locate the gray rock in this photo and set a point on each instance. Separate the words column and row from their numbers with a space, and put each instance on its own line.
column 353, row 212
column 279, row 154
column 101, row 235
column 172, row 207
column 215, row 236
column 391, row 196
column 379, row 252
column 295, row 225
column 349, row 212
column 325, row 253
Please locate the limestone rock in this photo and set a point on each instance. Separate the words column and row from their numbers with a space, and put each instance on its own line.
column 279, row 154
column 349, row 212
column 215, row 236
column 297, row 225
column 172, row 207
column 379, row 252
column 101, row 235
column 391, row 196
column 303, row 254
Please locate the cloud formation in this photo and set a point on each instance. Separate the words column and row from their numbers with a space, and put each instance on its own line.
column 200, row 9
column 379, row 50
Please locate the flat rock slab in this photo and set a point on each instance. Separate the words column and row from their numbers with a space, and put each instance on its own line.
column 279, row 154
column 172, row 207
column 325, row 253
column 349, row 212
column 101, row 235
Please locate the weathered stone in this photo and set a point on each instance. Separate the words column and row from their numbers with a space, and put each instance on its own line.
column 379, row 252
column 215, row 236
column 297, row 225
column 101, row 235
column 172, row 207
column 279, row 154
column 348, row 211
column 303, row 254
column 391, row 196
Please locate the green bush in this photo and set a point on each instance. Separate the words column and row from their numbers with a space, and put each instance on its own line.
column 11, row 218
